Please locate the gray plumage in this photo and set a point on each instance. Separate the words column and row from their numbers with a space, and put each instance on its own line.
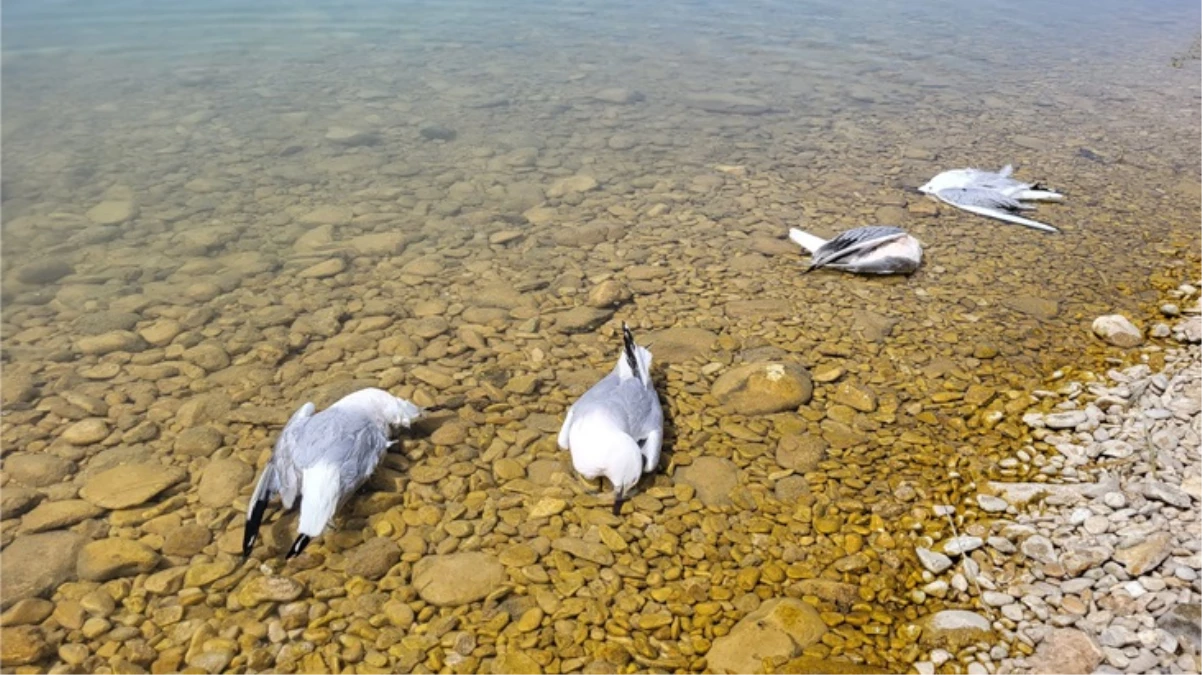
column 991, row 194
column 322, row 458
column 871, row 249
column 616, row 428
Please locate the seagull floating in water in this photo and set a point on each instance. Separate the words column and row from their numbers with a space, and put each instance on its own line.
column 874, row 249
column 324, row 458
column 993, row 195
column 616, row 428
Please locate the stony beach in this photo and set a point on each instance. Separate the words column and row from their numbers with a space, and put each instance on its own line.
column 989, row 466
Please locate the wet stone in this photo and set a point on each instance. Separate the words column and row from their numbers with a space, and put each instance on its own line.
column 130, row 485
column 35, row 564
column 582, row 319
column 22, row 645
column 712, row 478
column 37, row 470
column 763, row 388
column 457, row 579
column 57, row 515
column 269, row 589
column 780, row 627
column 593, row 552
column 954, row 628
column 106, row 559
column 373, row 559
column 199, row 441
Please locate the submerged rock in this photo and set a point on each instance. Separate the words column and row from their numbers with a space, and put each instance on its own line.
column 764, row 388
column 781, row 627
column 36, row 564
column 458, row 578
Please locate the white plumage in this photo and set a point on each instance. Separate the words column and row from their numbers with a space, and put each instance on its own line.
column 616, row 428
column 873, row 249
column 323, row 458
column 989, row 194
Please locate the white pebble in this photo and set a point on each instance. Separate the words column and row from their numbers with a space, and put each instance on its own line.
column 1079, row 515
column 996, row 599
column 1153, row 583
column 992, row 504
column 1135, row 588
column 1115, row 500
column 975, row 668
column 940, row 657
column 962, row 544
column 1096, row 525
column 933, row 561
column 924, row 667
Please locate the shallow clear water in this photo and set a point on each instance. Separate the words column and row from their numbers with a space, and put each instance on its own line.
column 215, row 177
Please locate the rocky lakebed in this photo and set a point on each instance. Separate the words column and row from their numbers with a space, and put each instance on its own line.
column 990, row 466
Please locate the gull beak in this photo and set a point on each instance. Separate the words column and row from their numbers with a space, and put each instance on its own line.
column 619, row 499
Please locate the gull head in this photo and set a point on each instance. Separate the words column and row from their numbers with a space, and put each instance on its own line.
column 943, row 181
column 382, row 407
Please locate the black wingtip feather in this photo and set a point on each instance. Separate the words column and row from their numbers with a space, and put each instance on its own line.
column 629, row 348
column 302, row 540
column 251, row 534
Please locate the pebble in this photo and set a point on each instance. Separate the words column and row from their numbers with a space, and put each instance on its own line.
column 933, row 561
column 992, row 504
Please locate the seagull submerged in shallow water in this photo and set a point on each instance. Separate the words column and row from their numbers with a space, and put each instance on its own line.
column 324, row 458
column 616, row 428
column 993, row 195
column 874, row 249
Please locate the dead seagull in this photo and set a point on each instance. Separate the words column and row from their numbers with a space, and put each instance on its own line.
column 616, row 428
column 324, row 458
column 873, row 249
column 993, row 195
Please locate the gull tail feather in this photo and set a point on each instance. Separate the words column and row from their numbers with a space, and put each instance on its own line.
column 806, row 240
column 635, row 361
column 1008, row 217
column 320, row 493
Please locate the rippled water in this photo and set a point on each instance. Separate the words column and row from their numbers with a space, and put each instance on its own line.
column 415, row 149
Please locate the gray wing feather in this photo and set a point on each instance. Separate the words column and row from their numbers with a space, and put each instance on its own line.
column 853, row 240
column 283, row 458
column 979, row 197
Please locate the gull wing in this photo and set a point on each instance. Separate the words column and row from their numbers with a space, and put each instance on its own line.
column 991, row 205
column 853, row 240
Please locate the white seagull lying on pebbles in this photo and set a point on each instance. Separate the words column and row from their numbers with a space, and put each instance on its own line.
column 616, row 428
column 874, row 249
column 993, row 195
column 323, row 458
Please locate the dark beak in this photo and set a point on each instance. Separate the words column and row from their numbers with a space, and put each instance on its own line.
column 619, row 499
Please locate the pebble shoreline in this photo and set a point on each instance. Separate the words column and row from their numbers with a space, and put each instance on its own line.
column 1108, row 562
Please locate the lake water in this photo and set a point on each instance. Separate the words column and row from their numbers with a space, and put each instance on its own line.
column 213, row 212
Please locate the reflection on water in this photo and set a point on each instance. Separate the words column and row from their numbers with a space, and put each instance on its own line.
column 251, row 205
